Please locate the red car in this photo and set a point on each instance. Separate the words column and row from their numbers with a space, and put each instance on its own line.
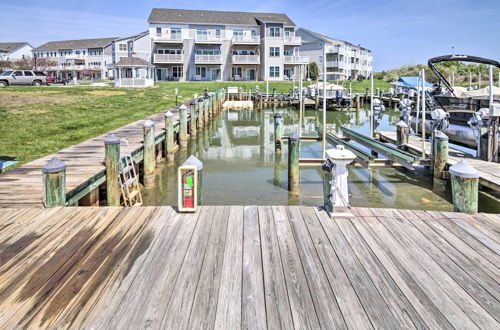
column 51, row 80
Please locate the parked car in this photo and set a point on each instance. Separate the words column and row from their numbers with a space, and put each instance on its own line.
column 24, row 77
column 51, row 79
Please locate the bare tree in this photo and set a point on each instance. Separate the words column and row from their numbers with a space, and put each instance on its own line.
column 31, row 63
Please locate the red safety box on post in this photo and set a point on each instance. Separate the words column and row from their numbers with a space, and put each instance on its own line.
column 187, row 188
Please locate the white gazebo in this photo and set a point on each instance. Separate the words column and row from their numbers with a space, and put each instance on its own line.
column 133, row 72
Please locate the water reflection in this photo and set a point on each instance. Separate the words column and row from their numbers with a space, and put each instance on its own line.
column 241, row 168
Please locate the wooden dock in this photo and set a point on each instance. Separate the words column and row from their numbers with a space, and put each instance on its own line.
column 235, row 267
column 489, row 172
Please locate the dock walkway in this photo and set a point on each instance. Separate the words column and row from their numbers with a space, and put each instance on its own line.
column 253, row 267
column 489, row 172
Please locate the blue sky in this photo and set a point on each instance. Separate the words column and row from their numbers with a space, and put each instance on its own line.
column 398, row 32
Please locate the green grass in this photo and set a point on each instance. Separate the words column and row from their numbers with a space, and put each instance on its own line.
column 37, row 121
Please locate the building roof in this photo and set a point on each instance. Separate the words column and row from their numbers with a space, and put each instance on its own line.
column 75, row 44
column 330, row 39
column 162, row 15
column 134, row 37
column 132, row 61
column 11, row 46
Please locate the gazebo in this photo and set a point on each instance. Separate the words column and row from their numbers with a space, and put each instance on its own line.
column 133, row 72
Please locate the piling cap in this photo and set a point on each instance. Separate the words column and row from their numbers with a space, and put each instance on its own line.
column 327, row 166
column 55, row 165
column 112, row 139
column 169, row 114
column 193, row 161
column 277, row 115
column 200, row 99
column 340, row 153
column 293, row 137
column 183, row 107
column 193, row 102
column 463, row 169
column 402, row 124
column 149, row 123
column 440, row 136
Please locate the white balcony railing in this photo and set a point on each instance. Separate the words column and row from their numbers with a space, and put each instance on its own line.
column 238, row 39
column 246, row 59
column 295, row 59
column 168, row 37
column 208, row 59
column 293, row 40
column 204, row 38
column 168, row 58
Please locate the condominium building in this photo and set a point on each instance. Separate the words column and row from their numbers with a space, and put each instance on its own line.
column 343, row 59
column 10, row 51
column 138, row 45
column 85, row 58
column 220, row 45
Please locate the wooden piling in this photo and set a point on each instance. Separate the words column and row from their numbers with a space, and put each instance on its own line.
column 327, row 184
column 358, row 101
column 440, row 154
column 54, row 174
column 169, row 148
column 403, row 134
column 200, row 114
column 293, row 163
column 464, row 187
column 112, row 160
column 149, row 152
column 183, row 125
column 192, row 119
column 278, row 131
column 205, row 109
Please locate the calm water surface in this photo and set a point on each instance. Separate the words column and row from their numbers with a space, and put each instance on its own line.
column 241, row 168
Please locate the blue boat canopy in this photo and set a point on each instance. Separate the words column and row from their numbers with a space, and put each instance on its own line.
column 411, row 82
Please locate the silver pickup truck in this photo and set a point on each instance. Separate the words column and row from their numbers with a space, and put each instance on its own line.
column 24, row 77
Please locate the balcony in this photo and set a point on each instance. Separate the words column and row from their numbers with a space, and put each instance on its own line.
column 169, row 38
column 246, row 40
column 207, row 39
column 294, row 59
column 246, row 59
column 293, row 40
column 168, row 58
column 208, row 59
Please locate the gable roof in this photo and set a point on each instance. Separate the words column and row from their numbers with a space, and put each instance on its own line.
column 11, row 46
column 134, row 37
column 163, row 15
column 75, row 44
column 326, row 38
column 132, row 61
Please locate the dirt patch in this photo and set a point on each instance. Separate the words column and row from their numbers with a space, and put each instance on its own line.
column 107, row 93
column 22, row 99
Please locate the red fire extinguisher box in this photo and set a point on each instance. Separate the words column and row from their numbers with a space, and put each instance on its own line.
column 187, row 178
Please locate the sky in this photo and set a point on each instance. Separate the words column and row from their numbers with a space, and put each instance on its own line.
column 398, row 32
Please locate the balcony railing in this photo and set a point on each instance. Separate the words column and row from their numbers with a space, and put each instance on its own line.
column 208, row 59
column 238, row 39
column 204, row 38
column 293, row 40
column 295, row 59
column 168, row 58
column 168, row 37
column 246, row 59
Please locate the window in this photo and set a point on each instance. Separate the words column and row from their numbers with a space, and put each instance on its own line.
column 122, row 47
column 207, row 52
column 238, row 34
column 83, row 52
column 237, row 71
column 177, row 71
column 274, row 51
column 175, row 33
column 254, row 33
column 28, row 73
column 217, row 33
column 275, row 32
column 201, row 71
column 288, row 52
column 18, row 74
column 158, row 31
column 39, row 73
column 274, row 71
column 202, row 34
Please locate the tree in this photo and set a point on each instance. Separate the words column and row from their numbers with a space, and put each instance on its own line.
column 30, row 63
column 313, row 70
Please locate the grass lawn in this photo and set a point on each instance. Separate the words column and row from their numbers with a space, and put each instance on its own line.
column 36, row 121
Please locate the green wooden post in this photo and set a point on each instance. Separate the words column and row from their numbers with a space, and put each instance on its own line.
column 200, row 114
column 149, row 152
column 54, row 174
column 274, row 93
column 212, row 105
column 327, row 184
column 464, row 187
column 169, row 147
column 403, row 134
column 440, row 154
column 205, row 109
column 183, row 127
column 192, row 119
column 278, row 131
column 293, row 163
column 358, row 101
column 112, row 160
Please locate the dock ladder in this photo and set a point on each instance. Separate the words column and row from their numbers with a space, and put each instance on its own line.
column 129, row 181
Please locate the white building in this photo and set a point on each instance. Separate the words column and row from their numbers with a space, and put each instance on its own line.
column 219, row 45
column 138, row 45
column 10, row 51
column 343, row 59
column 83, row 59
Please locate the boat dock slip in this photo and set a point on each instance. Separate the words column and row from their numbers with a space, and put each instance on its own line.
column 489, row 171
column 247, row 267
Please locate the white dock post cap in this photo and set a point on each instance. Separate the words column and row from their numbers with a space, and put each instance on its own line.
column 401, row 124
column 112, row 139
column 340, row 153
column 149, row 123
column 55, row 165
column 193, row 161
column 463, row 169
column 169, row 114
column 183, row 107
column 440, row 136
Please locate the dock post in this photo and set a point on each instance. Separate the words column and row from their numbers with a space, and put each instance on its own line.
column 149, row 152
column 358, row 101
column 214, row 106
column 440, row 154
column 54, row 175
column 205, row 108
column 464, row 187
column 192, row 119
column 200, row 114
column 169, row 137
column 112, row 160
column 327, row 184
column 183, row 131
column 278, row 131
column 293, row 163
column 403, row 133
